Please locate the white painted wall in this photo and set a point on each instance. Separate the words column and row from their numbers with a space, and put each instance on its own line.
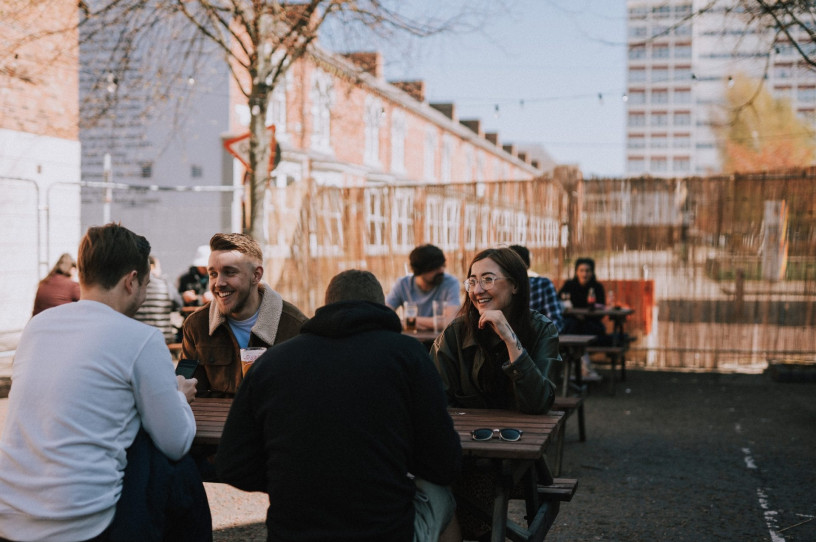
column 39, row 216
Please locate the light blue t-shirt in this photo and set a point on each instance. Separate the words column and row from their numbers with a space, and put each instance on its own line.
column 406, row 289
column 242, row 328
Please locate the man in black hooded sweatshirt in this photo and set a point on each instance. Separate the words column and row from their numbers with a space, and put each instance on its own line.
column 345, row 427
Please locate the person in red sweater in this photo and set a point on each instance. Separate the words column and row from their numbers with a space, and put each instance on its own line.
column 57, row 287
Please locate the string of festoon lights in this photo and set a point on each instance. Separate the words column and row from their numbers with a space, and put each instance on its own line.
column 521, row 103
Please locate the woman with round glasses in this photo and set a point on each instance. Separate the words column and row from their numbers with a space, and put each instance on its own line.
column 498, row 353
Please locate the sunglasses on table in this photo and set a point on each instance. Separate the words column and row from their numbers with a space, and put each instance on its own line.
column 508, row 434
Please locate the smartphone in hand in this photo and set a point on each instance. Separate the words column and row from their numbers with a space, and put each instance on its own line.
column 186, row 367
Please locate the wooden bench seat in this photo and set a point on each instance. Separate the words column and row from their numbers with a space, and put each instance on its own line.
column 562, row 489
column 540, row 519
column 567, row 405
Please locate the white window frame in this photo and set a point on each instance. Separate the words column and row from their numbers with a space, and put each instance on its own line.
column 329, row 239
column 398, row 141
column 376, row 221
column 520, row 234
column 446, row 160
column 480, row 166
column 276, row 111
column 536, row 233
column 681, row 118
column 402, row 220
column 450, row 224
column 503, row 226
column 322, row 97
column 434, row 226
column 468, row 173
column 471, row 221
column 372, row 120
column 429, row 162
column 484, row 231
column 553, row 229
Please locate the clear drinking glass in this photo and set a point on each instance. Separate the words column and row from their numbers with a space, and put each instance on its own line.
column 410, row 316
column 249, row 355
column 438, row 315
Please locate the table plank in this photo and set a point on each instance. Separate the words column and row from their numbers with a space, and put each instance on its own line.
column 424, row 336
column 211, row 415
column 566, row 339
column 536, row 432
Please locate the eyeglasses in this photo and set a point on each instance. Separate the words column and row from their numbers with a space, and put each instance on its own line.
column 486, row 282
column 508, row 434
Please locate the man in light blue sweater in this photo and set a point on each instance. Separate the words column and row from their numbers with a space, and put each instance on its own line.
column 88, row 382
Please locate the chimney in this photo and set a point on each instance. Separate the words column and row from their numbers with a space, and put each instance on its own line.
column 475, row 126
column 370, row 61
column 415, row 88
column 446, row 109
column 493, row 137
column 509, row 149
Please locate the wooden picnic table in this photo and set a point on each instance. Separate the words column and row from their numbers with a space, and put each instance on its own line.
column 210, row 416
column 512, row 462
column 572, row 347
column 617, row 350
column 618, row 315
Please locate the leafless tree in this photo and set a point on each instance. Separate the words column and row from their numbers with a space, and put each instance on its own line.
column 258, row 39
column 262, row 39
column 143, row 52
column 791, row 22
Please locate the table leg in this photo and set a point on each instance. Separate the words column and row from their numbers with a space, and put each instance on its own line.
column 579, row 373
column 617, row 338
column 567, row 367
column 504, row 486
column 531, row 493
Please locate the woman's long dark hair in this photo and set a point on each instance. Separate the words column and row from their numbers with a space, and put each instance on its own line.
column 518, row 316
column 591, row 263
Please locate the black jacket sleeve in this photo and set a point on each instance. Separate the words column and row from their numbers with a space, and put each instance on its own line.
column 240, row 460
column 437, row 448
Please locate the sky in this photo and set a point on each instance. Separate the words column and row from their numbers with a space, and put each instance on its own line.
column 554, row 68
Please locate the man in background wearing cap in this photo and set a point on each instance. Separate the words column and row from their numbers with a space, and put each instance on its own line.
column 428, row 283
column 194, row 285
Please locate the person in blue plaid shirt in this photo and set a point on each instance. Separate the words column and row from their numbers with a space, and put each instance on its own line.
column 543, row 297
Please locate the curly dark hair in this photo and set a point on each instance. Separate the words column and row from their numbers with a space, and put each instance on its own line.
column 426, row 258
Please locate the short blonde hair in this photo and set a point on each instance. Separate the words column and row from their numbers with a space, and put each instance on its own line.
column 240, row 242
